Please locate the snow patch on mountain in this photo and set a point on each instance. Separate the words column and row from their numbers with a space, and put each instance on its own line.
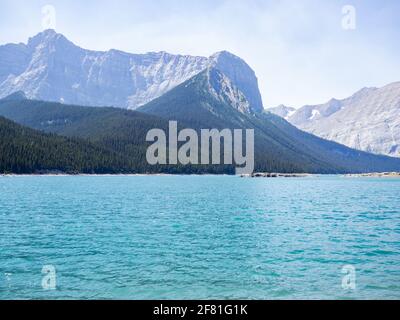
column 369, row 120
column 314, row 114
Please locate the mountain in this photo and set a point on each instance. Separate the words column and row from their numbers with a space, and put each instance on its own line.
column 207, row 100
column 369, row 120
column 282, row 111
column 116, row 130
column 24, row 150
column 50, row 67
column 202, row 103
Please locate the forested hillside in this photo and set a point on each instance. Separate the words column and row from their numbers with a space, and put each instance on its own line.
column 23, row 150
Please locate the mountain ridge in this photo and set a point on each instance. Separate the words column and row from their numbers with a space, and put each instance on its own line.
column 50, row 67
column 368, row 120
column 280, row 147
column 276, row 139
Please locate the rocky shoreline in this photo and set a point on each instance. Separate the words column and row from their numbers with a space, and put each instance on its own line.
column 375, row 175
column 303, row 175
column 275, row 175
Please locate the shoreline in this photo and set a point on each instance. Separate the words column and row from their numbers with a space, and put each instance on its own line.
column 105, row 175
column 373, row 175
column 253, row 175
column 279, row 175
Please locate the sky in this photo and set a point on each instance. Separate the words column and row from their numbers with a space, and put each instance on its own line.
column 302, row 51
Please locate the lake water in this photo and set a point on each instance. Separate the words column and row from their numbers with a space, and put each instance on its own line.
column 199, row 237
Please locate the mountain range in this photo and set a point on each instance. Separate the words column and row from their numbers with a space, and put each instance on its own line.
column 50, row 67
column 97, row 107
column 203, row 101
column 369, row 120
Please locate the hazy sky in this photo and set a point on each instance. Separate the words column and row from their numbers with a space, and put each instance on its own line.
column 298, row 48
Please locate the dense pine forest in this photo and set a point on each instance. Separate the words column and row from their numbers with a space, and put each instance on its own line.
column 23, row 150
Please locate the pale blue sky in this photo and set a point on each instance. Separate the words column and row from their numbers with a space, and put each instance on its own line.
column 298, row 48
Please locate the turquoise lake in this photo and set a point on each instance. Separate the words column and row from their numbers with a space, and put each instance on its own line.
column 199, row 237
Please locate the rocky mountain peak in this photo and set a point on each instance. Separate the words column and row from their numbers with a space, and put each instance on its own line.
column 241, row 75
column 45, row 38
column 54, row 69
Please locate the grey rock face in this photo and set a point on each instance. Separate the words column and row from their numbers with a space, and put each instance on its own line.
column 282, row 111
column 241, row 75
column 223, row 89
column 369, row 120
column 50, row 67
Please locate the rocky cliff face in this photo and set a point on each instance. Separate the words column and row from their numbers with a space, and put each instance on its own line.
column 241, row 76
column 223, row 89
column 369, row 120
column 50, row 67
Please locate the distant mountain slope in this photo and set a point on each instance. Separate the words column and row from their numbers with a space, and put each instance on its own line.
column 369, row 120
column 50, row 67
column 24, row 150
column 85, row 122
column 282, row 111
column 279, row 145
